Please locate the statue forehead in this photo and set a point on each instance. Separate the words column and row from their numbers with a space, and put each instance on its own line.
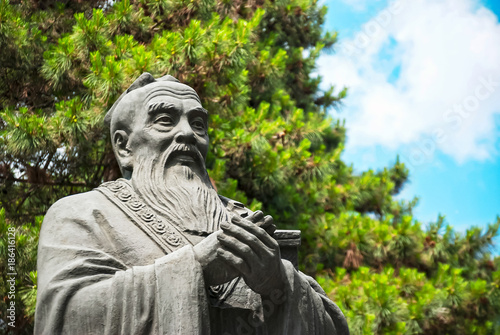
column 160, row 89
column 133, row 103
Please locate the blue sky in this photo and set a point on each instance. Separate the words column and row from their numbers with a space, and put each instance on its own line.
column 424, row 84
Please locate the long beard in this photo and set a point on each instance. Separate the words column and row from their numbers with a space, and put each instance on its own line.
column 179, row 194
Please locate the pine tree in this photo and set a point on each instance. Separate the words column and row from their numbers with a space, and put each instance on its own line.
column 273, row 147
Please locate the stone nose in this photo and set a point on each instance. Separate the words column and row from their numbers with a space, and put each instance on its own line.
column 184, row 133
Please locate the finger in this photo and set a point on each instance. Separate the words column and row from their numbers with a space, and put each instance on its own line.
column 232, row 260
column 267, row 221
column 267, row 224
column 240, row 249
column 271, row 229
column 245, row 237
column 255, row 216
column 249, row 233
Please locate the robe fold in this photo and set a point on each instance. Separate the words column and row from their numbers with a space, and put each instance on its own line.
column 100, row 273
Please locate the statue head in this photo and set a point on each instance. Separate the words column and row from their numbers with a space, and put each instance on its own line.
column 159, row 136
column 155, row 116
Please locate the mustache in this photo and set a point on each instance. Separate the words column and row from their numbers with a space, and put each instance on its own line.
column 184, row 149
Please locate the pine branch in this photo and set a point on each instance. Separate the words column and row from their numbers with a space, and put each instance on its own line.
column 76, row 184
column 25, row 197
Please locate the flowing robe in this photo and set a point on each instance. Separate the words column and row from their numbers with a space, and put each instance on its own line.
column 100, row 273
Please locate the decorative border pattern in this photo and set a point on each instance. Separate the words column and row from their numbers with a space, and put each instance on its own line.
column 164, row 234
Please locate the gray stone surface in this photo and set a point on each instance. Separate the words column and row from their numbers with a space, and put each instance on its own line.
column 159, row 251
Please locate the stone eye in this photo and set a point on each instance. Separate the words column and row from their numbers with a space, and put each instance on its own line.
column 198, row 124
column 164, row 120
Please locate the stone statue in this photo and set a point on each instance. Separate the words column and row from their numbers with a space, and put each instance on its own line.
column 159, row 251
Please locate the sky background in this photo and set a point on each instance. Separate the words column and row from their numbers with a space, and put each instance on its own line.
column 424, row 84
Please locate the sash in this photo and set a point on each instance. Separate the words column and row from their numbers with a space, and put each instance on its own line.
column 168, row 237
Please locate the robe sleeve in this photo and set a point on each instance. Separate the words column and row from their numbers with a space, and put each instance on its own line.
column 84, row 287
column 302, row 308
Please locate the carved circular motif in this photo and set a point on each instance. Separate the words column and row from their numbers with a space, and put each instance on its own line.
column 159, row 227
column 216, row 292
column 147, row 215
column 217, row 289
column 135, row 205
column 124, row 195
column 173, row 239
column 116, row 186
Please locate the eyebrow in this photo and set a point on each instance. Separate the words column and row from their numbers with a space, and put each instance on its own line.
column 157, row 107
column 161, row 106
column 198, row 109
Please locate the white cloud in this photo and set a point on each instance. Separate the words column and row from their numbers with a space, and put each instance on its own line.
column 447, row 93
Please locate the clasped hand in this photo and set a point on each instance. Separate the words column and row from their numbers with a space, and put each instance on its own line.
column 243, row 248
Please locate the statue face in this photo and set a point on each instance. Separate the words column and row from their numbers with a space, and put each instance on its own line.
column 169, row 118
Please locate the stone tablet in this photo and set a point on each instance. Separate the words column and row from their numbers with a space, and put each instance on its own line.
column 159, row 251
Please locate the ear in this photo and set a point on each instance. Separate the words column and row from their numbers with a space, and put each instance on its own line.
column 122, row 151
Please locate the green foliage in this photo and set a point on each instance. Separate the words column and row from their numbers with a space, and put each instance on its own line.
column 273, row 147
column 23, row 271
column 411, row 302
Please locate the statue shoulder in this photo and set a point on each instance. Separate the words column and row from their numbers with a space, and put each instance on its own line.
column 94, row 199
column 78, row 204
